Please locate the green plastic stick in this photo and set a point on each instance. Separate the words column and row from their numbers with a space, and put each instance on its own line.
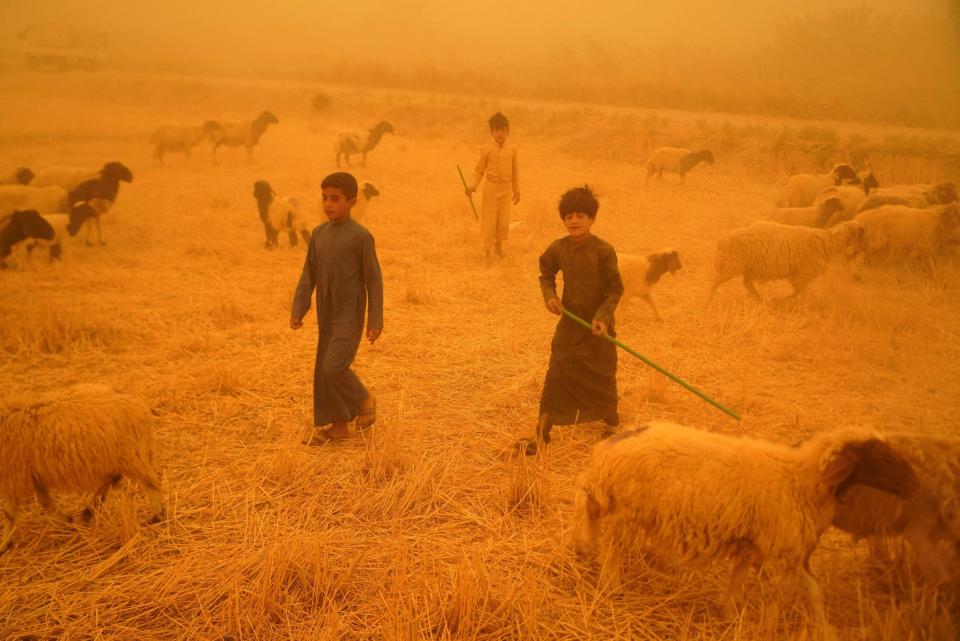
column 469, row 197
column 646, row 360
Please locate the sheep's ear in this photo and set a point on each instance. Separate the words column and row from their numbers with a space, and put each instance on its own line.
column 870, row 462
column 838, row 468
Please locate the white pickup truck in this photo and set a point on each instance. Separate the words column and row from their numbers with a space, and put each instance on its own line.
column 62, row 47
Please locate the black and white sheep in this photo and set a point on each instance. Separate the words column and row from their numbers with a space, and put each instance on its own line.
column 241, row 134
column 42, row 199
column 365, row 194
column 640, row 273
column 676, row 160
column 850, row 197
column 19, row 176
column 20, row 226
column 814, row 216
column 767, row 251
column 81, row 439
column 279, row 214
column 699, row 496
column 917, row 196
column 360, row 142
column 801, row 189
column 894, row 232
column 182, row 138
column 101, row 192
column 928, row 517
column 65, row 227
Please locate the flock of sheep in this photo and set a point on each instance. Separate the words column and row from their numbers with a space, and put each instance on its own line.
column 655, row 482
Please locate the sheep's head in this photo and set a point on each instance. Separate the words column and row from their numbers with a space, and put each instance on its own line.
column 866, row 460
column 32, row 224
column 854, row 238
column 117, row 171
column 706, row 156
column 266, row 118
column 843, row 173
column 211, row 129
column 870, row 182
column 949, row 218
column 943, row 194
column 828, row 208
column 369, row 191
column 263, row 193
column 384, row 127
column 23, row 175
column 667, row 260
column 79, row 214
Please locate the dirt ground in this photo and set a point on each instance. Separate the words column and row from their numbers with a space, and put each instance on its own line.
column 423, row 529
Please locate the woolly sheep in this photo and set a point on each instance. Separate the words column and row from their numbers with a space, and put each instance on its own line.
column 813, row 216
column 19, row 176
column 279, row 213
column 641, row 273
column 701, row 496
column 770, row 251
column 18, row 227
column 930, row 516
column 850, row 197
column 100, row 193
column 918, row 196
column 893, row 232
column 182, row 138
column 360, row 142
column 801, row 189
column 81, row 439
column 236, row 134
column 70, row 177
column 676, row 160
column 13, row 197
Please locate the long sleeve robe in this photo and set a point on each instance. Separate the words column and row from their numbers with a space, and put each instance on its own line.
column 581, row 381
column 342, row 268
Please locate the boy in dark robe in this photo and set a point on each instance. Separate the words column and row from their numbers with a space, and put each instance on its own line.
column 342, row 267
column 581, row 382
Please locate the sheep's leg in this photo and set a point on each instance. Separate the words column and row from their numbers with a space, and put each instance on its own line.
column 363, row 160
column 799, row 286
column 748, row 283
column 338, row 158
column 11, row 511
column 815, row 598
column 100, row 496
column 99, row 235
column 47, row 503
column 346, row 157
column 293, row 237
column 735, row 589
column 713, row 289
column 305, row 234
column 89, row 226
column 656, row 312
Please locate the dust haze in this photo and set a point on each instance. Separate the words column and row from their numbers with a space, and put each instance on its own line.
column 691, row 120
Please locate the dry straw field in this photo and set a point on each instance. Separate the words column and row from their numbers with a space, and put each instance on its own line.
column 425, row 529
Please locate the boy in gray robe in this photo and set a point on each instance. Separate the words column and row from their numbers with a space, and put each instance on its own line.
column 342, row 267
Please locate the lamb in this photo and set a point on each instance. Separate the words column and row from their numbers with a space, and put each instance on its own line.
column 770, row 251
column 279, row 213
column 366, row 192
column 931, row 515
column 917, row 196
column 701, row 496
column 19, row 176
column 801, row 189
column 356, row 142
column 641, row 273
column 850, row 196
column 84, row 438
column 20, row 226
column 814, row 216
column 895, row 231
column 100, row 193
column 13, row 197
column 182, row 138
column 676, row 160
column 235, row 134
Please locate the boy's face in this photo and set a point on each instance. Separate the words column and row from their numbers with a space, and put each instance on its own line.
column 500, row 134
column 336, row 205
column 578, row 224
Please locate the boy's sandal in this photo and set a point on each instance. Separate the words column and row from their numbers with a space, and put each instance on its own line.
column 322, row 437
column 367, row 416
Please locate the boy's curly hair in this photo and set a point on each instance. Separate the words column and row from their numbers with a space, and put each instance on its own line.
column 499, row 121
column 579, row 199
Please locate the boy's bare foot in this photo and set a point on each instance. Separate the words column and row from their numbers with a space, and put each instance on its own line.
column 368, row 413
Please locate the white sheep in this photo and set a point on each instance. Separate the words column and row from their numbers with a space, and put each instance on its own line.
column 918, row 196
column 801, row 189
column 278, row 214
column 100, row 192
column 182, row 138
column 44, row 199
column 814, row 216
column 640, row 273
column 850, row 197
column 360, row 142
column 700, row 496
column 928, row 517
column 676, row 160
column 19, row 176
column 767, row 251
column 894, row 232
column 20, row 226
column 81, row 439
column 236, row 134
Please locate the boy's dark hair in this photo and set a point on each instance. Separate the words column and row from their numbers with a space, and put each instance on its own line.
column 579, row 199
column 344, row 182
column 499, row 121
